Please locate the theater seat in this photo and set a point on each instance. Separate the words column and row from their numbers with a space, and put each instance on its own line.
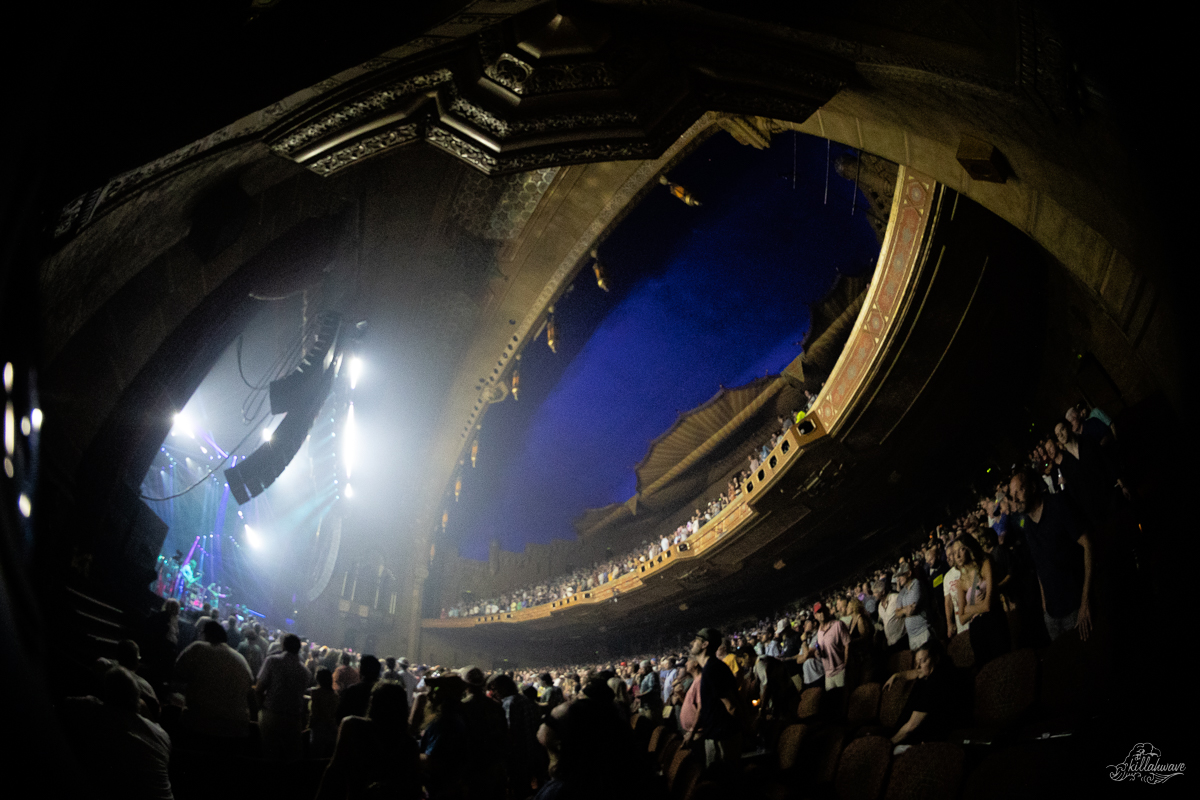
column 1004, row 693
column 862, row 768
column 810, row 703
column 929, row 771
column 658, row 737
column 667, row 754
column 863, row 707
column 892, row 702
column 960, row 651
column 790, row 742
column 899, row 662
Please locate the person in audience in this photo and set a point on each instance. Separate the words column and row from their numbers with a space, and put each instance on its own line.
column 716, row 727
column 345, row 675
column 129, row 657
column 934, row 705
column 666, row 677
column 375, row 756
column 523, row 718
column 218, row 685
column 445, row 745
column 322, row 715
column 280, row 690
column 649, row 695
column 979, row 603
column 891, row 624
column 353, row 699
column 910, row 607
column 592, row 755
column 777, row 698
column 249, row 650
column 487, row 738
column 1061, row 554
column 548, row 693
column 954, row 622
column 122, row 753
column 833, row 647
column 811, row 669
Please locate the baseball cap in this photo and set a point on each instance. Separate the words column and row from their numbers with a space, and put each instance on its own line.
column 709, row 635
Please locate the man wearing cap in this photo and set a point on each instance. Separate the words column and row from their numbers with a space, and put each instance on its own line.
column 487, row 733
column 909, row 609
column 716, row 726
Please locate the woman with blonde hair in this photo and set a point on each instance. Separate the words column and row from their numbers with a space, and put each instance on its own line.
column 979, row 603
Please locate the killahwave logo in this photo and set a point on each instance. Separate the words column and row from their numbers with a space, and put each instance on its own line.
column 1142, row 764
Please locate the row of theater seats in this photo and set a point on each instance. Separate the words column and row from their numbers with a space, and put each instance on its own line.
column 1026, row 709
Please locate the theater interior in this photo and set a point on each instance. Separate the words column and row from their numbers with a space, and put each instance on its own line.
column 438, row 189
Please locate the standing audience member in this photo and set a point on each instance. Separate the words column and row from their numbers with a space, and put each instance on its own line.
column 716, row 727
column 523, row 717
column 353, row 699
column 911, row 608
column 345, row 675
column 250, row 651
column 445, row 746
column 322, row 715
column 1061, row 553
column 280, row 689
column 218, row 684
column 487, row 736
column 375, row 756
column 979, row 604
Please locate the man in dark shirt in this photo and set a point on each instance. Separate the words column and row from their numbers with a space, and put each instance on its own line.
column 716, row 726
column 1061, row 553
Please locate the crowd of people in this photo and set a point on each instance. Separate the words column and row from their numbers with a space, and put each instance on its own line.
column 600, row 573
column 1018, row 568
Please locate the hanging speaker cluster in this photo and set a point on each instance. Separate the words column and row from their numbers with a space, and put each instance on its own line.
column 299, row 395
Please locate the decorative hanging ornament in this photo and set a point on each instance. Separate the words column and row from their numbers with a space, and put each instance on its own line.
column 516, row 379
column 678, row 191
column 457, row 488
column 598, row 268
column 474, row 452
column 445, row 519
column 551, row 332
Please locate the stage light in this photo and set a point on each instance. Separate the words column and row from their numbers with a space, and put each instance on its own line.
column 24, row 506
column 8, row 376
column 25, row 426
column 356, row 366
column 204, row 449
column 8, row 466
column 35, row 417
column 266, row 434
column 253, row 538
column 349, row 491
column 182, row 425
column 10, row 429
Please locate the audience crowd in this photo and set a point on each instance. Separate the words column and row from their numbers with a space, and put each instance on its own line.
column 1018, row 568
column 600, row 573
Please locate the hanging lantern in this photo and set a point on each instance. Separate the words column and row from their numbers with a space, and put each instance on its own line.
column 474, row 452
column 445, row 519
column 457, row 488
column 432, row 551
column 598, row 268
column 516, row 379
column 678, row 191
column 551, row 333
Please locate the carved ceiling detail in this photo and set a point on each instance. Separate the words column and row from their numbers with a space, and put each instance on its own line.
column 543, row 89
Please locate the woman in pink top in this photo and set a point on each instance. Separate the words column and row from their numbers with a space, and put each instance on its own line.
column 833, row 646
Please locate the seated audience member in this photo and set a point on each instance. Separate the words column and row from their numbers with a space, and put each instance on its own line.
column 353, row 699
column 445, row 744
column 936, row 699
column 280, row 690
column 122, row 753
column 218, row 684
column 322, row 715
column 375, row 756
